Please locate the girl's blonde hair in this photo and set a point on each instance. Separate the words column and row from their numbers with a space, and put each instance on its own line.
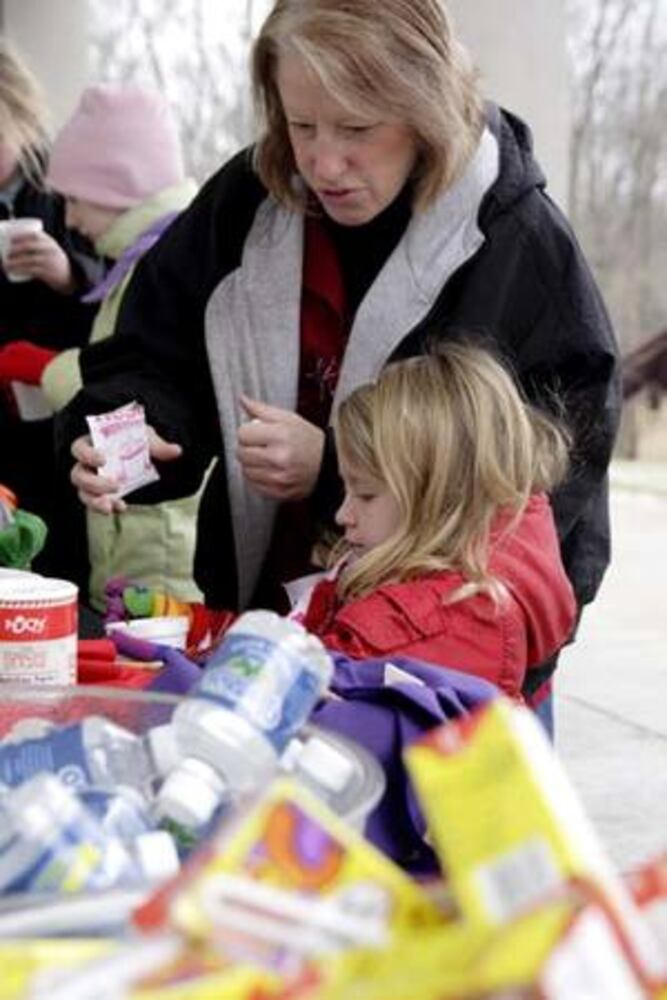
column 393, row 57
column 455, row 442
column 23, row 114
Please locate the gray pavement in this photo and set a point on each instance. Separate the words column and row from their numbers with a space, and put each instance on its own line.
column 611, row 687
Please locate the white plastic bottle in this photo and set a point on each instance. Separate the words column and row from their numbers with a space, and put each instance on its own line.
column 56, row 845
column 321, row 767
column 256, row 691
column 124, row 814
column 191, row 800
column 93, row 752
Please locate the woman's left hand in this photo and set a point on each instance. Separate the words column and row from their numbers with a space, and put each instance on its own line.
column 280, row 452
column 39, row 256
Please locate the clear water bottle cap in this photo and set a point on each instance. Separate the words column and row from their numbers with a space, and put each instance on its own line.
column 191, row 794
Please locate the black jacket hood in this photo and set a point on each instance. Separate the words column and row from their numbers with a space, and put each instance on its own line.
column 519, row 170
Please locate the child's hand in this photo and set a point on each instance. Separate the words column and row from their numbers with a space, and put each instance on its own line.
column 39, row 256
column 279, row 451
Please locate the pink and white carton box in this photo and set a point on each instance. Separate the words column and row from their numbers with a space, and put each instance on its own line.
column 121, row 435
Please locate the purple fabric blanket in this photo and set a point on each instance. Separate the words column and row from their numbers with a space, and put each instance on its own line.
column 383, row 718
column 386, row 719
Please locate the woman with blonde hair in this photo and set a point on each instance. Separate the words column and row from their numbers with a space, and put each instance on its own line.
column 383, row 202
column 49, row 311
column 450, row 552
column 41, row 312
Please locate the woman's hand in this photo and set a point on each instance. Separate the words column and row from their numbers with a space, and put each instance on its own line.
column 280, row 452
column 39, row 256
column 96, row 491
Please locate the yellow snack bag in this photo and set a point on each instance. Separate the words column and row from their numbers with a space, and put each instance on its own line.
column 506, row 822
column 237, row 983
column 569, row 947
column 291, row 861
column 22, row 961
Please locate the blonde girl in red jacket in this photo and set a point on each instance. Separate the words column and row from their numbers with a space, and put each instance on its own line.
column 450, row 552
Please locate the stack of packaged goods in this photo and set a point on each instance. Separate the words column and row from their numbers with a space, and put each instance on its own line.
column 284, row 901
column 93, row 806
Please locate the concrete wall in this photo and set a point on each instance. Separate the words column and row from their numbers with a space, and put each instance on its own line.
column 519, row 47
column 51, row 34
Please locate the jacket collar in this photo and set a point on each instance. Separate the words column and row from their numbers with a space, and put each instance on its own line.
column 253, row 324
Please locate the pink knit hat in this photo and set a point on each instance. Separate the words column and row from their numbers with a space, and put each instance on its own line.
column 119, row 147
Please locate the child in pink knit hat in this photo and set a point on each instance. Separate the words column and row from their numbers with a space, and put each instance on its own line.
column 119, row 148
column 118, row 164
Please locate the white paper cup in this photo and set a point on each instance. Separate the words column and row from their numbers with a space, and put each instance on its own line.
column 31, row 402
column 13, row 227
column 168, row 630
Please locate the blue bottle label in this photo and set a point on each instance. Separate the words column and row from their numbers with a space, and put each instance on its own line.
column 61, row 752
column 118, row 815
column 269, row 685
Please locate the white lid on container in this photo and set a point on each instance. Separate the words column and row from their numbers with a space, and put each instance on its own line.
column 164, row 748
column 35, row 589
column 157, row 855
column 325, row 764
column 170, row 630
column 191, row 794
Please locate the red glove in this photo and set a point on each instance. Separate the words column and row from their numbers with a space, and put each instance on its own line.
column 21, row 361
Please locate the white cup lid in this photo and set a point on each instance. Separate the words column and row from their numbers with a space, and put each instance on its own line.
column 170, row 630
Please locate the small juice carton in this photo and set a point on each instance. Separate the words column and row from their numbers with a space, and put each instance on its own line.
column 592, row 959
column 290, row 872
column 648, row 888
column 25, row 962
column 507, row 824
column 570, row 946
column 121, row 436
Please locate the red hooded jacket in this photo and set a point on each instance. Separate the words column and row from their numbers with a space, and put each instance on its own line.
column 496, row 641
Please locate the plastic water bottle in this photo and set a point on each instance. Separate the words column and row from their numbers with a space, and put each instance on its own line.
column 56, row 845
column 256, row 691
column 125, row 815
column 122, row 813
column 321, row 767
column 191, row 803
column 93, row 752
